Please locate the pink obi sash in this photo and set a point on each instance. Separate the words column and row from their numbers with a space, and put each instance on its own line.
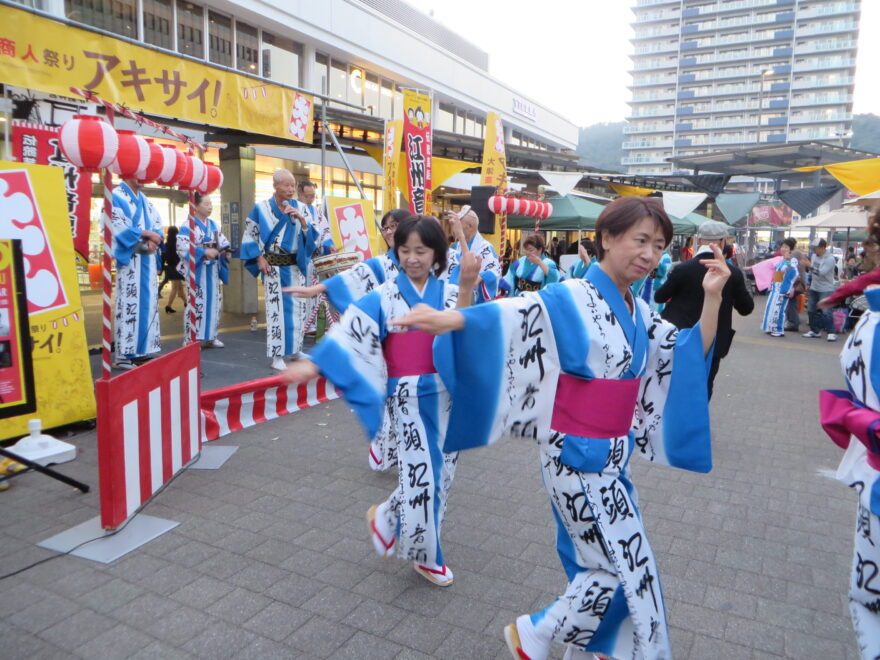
column 843, row 417
column 409, row 353
column 597, row 408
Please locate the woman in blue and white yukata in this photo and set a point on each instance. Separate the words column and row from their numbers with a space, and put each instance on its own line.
column 533, row 271
column 212, row 270
column 383, row 370
column 781, row 290
column 587, row 257
column 590, row 373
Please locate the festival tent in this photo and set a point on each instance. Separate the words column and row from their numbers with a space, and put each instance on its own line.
column 848, row 218
column 871, row 199
column 570, row 213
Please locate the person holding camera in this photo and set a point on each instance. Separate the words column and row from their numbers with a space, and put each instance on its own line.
column 211, row 269
column 277, row 245
column 137, row 234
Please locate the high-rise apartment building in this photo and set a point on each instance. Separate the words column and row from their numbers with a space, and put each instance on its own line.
column 713, row 75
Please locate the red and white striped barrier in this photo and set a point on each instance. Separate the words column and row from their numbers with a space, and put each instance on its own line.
column 149, row 428
column 237, row 407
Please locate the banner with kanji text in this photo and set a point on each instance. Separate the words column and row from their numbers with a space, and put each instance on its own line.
column 46, row 55
column 40, row 145
column 417, row 136
column 393, row 131
column 16, row 368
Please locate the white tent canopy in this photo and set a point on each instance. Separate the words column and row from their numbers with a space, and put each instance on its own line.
column 849, row 218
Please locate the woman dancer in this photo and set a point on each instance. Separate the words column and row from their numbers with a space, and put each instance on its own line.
column 782, row 288
column 382, row 370
column 594, row 376
column 587, row 254
column 534, row 270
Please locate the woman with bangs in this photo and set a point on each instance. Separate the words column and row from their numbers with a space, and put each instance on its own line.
column 594, row 376
column 386, row 370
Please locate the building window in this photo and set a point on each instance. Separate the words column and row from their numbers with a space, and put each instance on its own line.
column 117, row 16
column 446, row 118
column 158, row 18
column 386, row 100
column 371, row 94
column 219, row 39
column 190, row 30
column 338, row 81
column 281, row 59
column 247, row 48
column 322, row 72
column 355, row 88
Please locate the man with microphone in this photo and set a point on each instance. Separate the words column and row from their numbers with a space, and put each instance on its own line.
column 277, row 243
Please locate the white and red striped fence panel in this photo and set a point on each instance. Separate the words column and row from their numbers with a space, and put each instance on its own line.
column 149, row 428
column 229, row 409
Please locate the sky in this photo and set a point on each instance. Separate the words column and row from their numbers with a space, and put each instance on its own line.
column 573, row 55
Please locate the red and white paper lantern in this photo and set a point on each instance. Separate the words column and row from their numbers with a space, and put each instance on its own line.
column 89, row 142
column 154, row 166
column 174, row 167
column 132, row 157
column 194, row 174
column 212, row 180
column 529, row 208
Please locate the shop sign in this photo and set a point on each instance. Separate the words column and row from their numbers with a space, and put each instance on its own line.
column 494, row 169
column 393, row 131
column 525, row 109
column 17, row 395
column 352, row 224
column 38, row 144
column 41, row 54
column 417, row 136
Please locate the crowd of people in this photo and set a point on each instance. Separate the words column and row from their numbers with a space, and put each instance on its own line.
column 440, row 349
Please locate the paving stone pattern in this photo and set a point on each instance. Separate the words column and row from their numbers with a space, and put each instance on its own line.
column 272, row 558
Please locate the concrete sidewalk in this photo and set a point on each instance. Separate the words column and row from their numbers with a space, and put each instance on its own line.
column 272, row 557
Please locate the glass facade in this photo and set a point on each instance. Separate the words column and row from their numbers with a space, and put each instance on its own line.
column 219, row 39
column 117, row 16
column 247, row 48
column 190, row 30
column 282, row 59
column 158, row 19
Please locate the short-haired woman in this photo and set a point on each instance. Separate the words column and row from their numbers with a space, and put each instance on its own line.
column 385, row 371
column 594, row 376
column 534, row 270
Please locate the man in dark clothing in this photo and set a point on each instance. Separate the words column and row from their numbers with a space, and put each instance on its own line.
column 683, row 293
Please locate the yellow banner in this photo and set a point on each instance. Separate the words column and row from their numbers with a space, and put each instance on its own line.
column 354, row 228
column 494, row 169
column 62, row 374
column 630, row 191
column 42, row 54
column 390, row 163
column 417, row 146
column 860, row 176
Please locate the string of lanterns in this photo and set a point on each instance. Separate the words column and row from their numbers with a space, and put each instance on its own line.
column 91, row 144
column 530, row 208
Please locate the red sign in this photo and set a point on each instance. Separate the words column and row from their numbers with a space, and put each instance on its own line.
column 16, row 369
column 20, row 219
column 770, row 216
column 350, row 218
column 39, row 144
column 417, row 142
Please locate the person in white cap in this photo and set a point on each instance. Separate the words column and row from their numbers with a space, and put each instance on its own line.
column 821, row 286
column 683, row 293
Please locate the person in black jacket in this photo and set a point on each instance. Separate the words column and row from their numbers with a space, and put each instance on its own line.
column 683, row 293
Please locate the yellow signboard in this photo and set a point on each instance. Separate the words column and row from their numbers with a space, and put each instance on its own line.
column 354, row 228
column 494, row 170
column 33, row 208
column 45, row 55
column 393, row 136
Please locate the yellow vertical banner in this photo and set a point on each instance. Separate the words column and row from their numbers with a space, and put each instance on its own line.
column 494, row 169
column 33, row 209
column 353, row 224
column 417, row 138
column 393, row 135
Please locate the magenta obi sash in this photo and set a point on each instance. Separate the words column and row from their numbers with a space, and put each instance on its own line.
column 409, row 353
column 843, row 417
column 596, row 408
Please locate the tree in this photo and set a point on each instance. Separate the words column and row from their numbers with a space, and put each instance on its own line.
column 600, row 146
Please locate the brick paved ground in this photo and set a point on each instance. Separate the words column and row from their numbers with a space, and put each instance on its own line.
column 272, row 559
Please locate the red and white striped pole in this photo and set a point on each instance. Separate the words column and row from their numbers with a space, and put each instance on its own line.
column 107, row 262
column 191, row 270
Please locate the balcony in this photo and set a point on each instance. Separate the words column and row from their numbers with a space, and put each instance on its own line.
column 830, row 10
column 653, row 34
column 824, row 47
column 826, row 99
column 821, row 118
column 777, row 121
column 644, row 160
column 647, row 144
column 646, row 128
column 656, row 112
column 834, row 63
column 827, row 28
column 813, row 83
column 669, row 47
column 652, row 81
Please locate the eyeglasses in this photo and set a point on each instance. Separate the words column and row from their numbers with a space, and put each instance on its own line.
column 390, row 227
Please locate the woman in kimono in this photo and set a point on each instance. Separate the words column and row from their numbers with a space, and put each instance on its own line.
column 782, row 288
column 386, row 370
column 851, row 418
column 593, row 375
column 212, row 269
column 645, row 287
column 587, row 254
column 533, row 271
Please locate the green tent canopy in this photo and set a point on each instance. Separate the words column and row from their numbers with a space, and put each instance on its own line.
column 570, row 213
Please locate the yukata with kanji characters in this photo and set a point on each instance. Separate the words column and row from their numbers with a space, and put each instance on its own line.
column 389, row 379
column 852, row 418
column 490, row 267
column 523, row 275
column 136, row 316
column 288, row 248
column 210, row 274
column 594, row 383
column 784, row 276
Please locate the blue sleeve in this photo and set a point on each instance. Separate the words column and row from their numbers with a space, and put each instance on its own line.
column 488, row 288
column 338, row 293
column 327, row 247
column 125, row 242
column 552, row 273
